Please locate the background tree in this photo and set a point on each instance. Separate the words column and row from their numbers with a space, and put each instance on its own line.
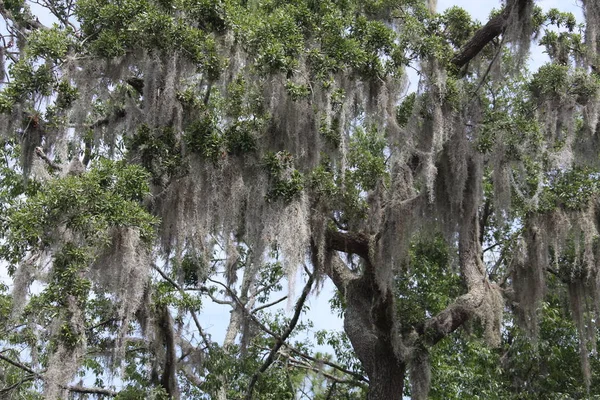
column 162, row 154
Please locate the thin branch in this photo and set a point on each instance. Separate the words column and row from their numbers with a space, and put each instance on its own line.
column 56, row 12
column 182, row 292
column 102, row 323
column 356, row 376
column 496, row 266
column 268, row 331
column 278, row 343
column 490, row 247
column 17, row 384
column 265, row 288
column 19, row 365
column 304, row 365
column 331, row 391
column 267, row 305
column 487, row 72
column 40, row 153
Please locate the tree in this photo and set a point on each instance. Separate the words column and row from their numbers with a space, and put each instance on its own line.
column 159, row 154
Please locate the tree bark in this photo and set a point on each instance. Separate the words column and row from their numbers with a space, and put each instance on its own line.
column 369, row 319
column 369, row 324
column 487, row 33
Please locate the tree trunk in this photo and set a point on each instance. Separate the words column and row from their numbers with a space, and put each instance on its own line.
column 369, row 324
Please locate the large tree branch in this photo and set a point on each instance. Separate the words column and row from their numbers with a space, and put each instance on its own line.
column 338, row 272
column 453, row 317
column 479, row 288
column 348, row 242
column 92, row 390
column 489, row 31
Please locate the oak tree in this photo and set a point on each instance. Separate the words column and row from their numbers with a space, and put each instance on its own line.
column 161, row 154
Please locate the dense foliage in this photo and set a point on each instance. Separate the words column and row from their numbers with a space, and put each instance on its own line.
column 159, row 156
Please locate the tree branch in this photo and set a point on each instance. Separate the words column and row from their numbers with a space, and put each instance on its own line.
column 338, row 272
column 37, row 375
column 183, row 294
column 31, row 23
column 486, row 34
column 356, row 376
column 438, row 327
column 304, row 365
column 268, row 331
column 19, row 365
column 348, row 242
column 40, row 153
column 119, row 113
column 281, row 340
column 92, row 390
column 267, row 305
column 17, row 384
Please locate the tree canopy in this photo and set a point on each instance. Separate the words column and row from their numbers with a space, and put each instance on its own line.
column 159, row 155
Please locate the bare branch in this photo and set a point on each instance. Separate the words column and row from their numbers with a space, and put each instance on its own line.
column 328, row 363
column 267, row 305
column 299, row 364
column 281, row 340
